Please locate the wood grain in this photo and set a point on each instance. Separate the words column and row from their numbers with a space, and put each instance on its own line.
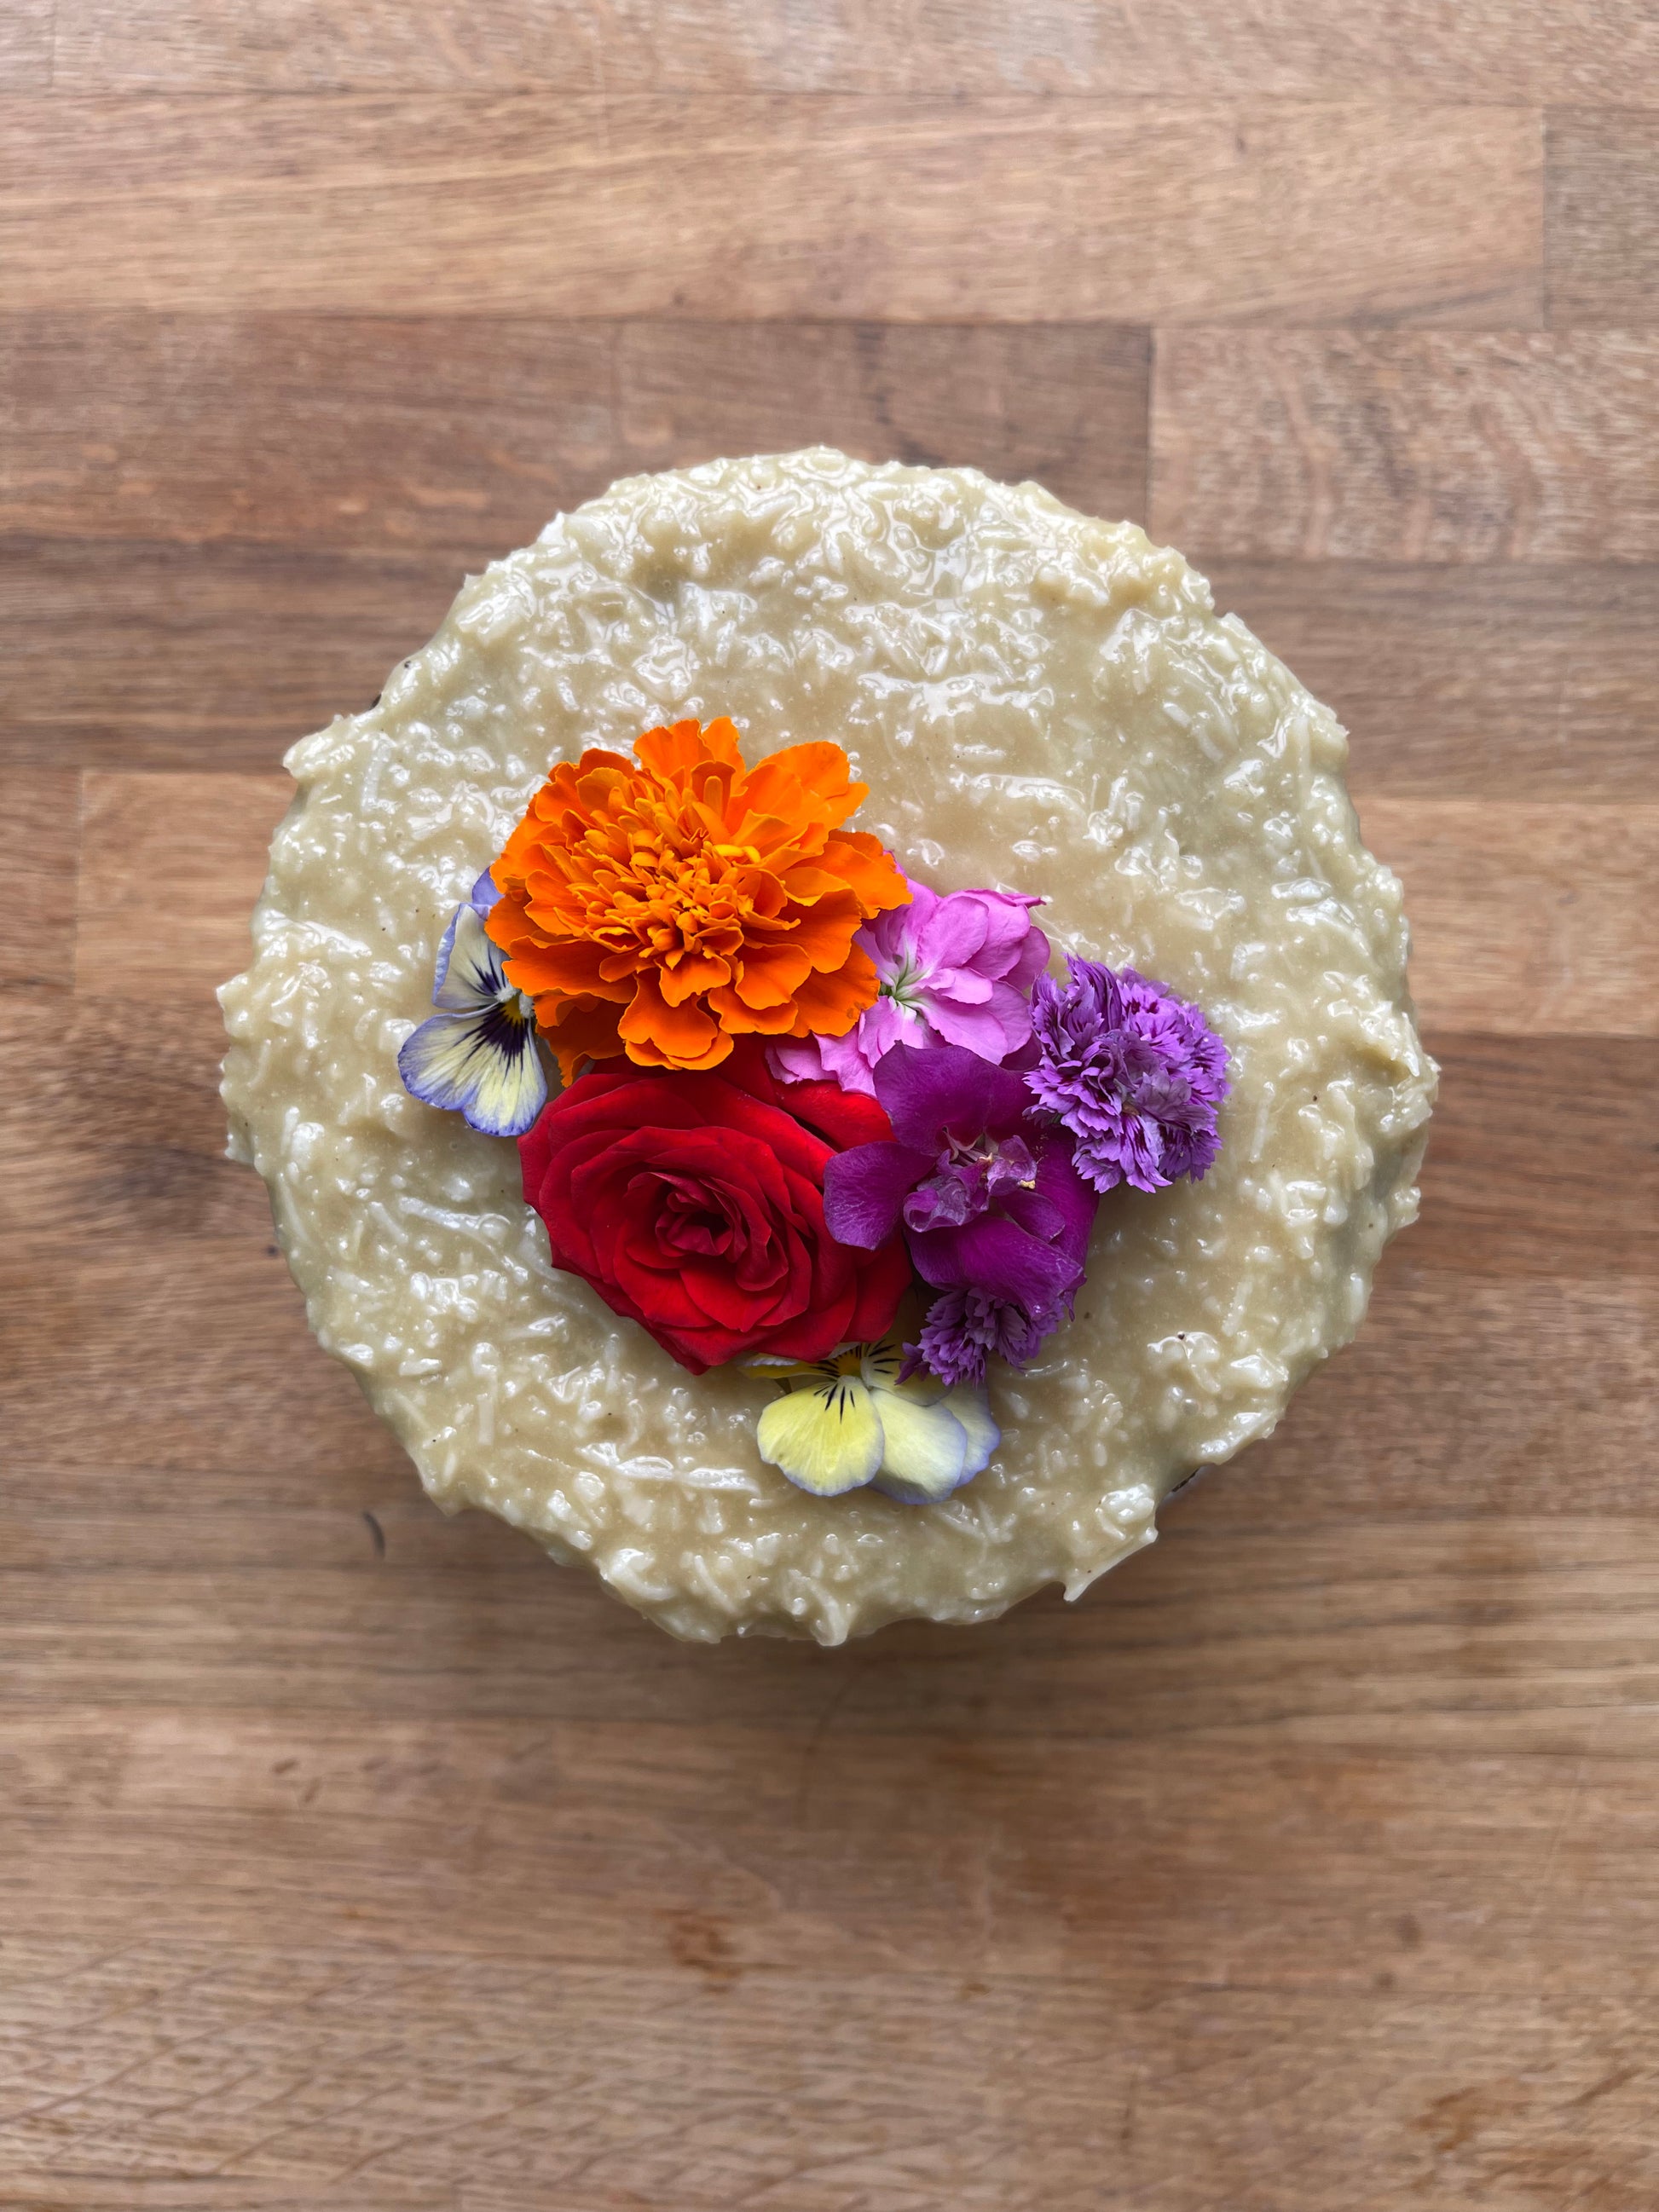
column 39, row 850
column 26, row 45
column 826, row 206
column 464, row 434
column 1534, row 681
column 353, row 1859
column 243, row 1425
column 571, row 2082
column 1456, row 1633
column 1519, row 51
column 1528, row 915
column 347, row 472
column 1418, row 447
column 170, row 866
column 1507, row 1198
column 1601, row 217
column 479, row 1800
column 181, row 657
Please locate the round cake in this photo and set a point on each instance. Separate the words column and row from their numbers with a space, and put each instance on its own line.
column 1043, row 706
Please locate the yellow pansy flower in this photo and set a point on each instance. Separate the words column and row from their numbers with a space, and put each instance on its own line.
column 849, row 1421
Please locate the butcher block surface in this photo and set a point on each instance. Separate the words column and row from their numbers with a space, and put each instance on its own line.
column 354, row 1858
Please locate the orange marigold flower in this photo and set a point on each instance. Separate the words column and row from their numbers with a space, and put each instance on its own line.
column 660, row 910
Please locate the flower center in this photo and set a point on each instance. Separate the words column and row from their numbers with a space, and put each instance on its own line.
column 904, row 985
column 660, row 882
column 969, row 1177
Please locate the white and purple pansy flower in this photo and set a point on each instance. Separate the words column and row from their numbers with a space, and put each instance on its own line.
column 477, row 1056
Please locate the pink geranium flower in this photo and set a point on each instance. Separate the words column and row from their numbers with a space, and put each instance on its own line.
column 954, row 971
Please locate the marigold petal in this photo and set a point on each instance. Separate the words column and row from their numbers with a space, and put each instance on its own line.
column 767, row 902
column 828, row 1006
column 566, row 969
column 868, row 868
column 674, row 749
column 770, row 974
column 619, row 969
column 658, row 1035
column 650, row 1054
column 575, row 1029
column 697, row 894
column 696, row 972
column 821, row 771
column 593, row 756
column 751, row 1021
column 823, row 934
column 807, row 882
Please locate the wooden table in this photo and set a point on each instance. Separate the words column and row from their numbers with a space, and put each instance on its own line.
column 352, row 1857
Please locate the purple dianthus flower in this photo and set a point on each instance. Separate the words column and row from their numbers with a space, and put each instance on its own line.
column 963, row 1327
column 1135, row 1072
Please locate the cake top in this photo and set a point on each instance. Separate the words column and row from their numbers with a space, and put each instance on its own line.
column 800, row 1088
column 1077, row 777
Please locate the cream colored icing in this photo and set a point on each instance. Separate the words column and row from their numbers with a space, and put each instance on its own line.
column 1039, row 701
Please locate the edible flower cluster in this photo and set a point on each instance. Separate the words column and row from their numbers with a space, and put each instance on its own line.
column 784, row 1107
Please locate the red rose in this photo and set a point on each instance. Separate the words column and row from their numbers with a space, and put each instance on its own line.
column 693, row 1205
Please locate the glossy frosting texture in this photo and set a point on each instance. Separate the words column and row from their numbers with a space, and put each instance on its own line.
column 1039, row 701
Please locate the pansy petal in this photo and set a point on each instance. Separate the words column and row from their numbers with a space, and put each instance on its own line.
column 972, row 1409
column 924, row 1449
column 485, row 1067
column 884, row 1363
column 470, row 972
column 826, row 1441
column 778, row 1367
column 510, row 1093
column 446, row 947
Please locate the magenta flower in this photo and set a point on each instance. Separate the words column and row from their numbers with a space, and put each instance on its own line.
column 1135, row 1073
column 995, row 1215
column 954, row 971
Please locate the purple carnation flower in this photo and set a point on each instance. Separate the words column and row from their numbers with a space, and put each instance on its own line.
column 994, row 1213
column 963, row 1327
column 1135, row 1074
column 954, row 971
